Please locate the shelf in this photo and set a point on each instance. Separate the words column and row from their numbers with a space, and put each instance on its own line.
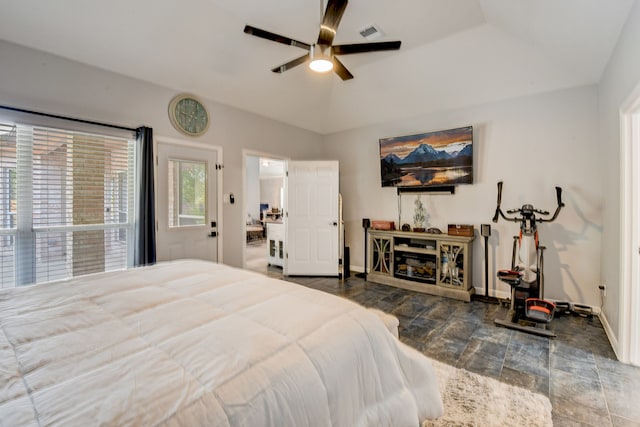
column 416, row 278
column 414, row 250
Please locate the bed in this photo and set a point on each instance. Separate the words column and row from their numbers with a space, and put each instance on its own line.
column 193, row 343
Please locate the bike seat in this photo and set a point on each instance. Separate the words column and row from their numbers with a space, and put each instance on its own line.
column 511, row 277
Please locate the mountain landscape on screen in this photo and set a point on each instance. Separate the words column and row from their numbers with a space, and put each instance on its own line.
column 430, row 159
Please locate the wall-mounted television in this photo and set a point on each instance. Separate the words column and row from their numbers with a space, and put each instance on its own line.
column 431, row 159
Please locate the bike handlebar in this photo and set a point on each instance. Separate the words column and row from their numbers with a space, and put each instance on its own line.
column 499, row 212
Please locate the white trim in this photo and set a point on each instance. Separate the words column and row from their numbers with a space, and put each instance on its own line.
column 201, row 145
column 610, row 334
column 628, row 342
column 497, row 293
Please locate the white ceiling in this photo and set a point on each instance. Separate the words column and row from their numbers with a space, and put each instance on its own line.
column 454, row 53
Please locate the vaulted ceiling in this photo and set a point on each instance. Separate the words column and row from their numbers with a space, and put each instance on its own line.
column 454, row 53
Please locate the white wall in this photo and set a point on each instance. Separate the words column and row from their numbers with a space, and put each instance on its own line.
column 270, row 189
column 252, row 198
column 620, row 78
column 34, row 80
column 532, row 144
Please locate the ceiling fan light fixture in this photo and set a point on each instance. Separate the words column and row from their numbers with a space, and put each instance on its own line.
column 321, row 65
column 320, row 62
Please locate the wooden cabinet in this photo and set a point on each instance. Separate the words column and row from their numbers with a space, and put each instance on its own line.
column 275, row 243
column 437, row 264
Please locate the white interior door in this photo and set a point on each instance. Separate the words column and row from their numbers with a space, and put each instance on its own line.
column 187, row 204
column 311, row 218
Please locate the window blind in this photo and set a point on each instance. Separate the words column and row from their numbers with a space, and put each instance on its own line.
column 67, row 203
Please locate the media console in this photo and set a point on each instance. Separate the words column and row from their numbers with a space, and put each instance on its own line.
column 437, row 264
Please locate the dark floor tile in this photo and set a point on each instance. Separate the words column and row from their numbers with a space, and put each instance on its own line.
column 578, row 398
column 403, row 321
column 422, row 329
column 535, row 383
column 527, row 357
column 440, row 310
column 611, row 364
column 458, row 329
column 483, row 357
column 530, row 340
column 477, row 312
column 561, row 421
column 412, row 343
column 571, row 360
column 493, row 333
column 425, row 300
column 445, row 350
column 396, row 297
column 381, row 304
column 618, row 387
column 409, row 308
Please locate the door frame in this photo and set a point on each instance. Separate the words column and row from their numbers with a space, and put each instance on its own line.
column 199, row 146
column 629, row 317
column 253, row 153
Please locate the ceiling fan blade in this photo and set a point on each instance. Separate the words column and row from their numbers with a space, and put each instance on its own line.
column 331, row 20
column 289, row 65
column 346, row 49
column 341, row 70
column 275, row 37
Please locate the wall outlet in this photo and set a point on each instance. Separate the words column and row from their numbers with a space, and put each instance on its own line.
column 603, row 289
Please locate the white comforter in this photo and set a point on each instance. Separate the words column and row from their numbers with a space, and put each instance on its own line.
column 191, row 343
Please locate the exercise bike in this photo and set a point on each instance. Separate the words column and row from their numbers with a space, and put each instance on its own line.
column 528, row 311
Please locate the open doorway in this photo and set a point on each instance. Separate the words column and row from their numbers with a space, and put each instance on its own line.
column 263, row 202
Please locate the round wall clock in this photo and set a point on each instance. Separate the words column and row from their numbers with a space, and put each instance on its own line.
column 188, row 115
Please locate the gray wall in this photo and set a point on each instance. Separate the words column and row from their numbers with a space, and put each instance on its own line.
column 532, row 144
column 620, row 78
column 270, row 191
column 253, row 188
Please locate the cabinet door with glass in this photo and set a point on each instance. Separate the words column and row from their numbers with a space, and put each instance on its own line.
column 381, row 246
column 452, row 264
column 275, row 244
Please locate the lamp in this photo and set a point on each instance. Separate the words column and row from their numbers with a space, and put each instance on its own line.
column 320, row 61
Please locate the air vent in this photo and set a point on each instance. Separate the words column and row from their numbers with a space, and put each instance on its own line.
column 371, row 32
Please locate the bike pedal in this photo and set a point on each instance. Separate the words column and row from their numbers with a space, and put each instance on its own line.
column 582, row 310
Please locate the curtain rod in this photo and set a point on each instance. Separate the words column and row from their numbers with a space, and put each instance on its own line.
column 73, row 119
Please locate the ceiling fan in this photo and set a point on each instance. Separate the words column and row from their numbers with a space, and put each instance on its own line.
column 323, row 53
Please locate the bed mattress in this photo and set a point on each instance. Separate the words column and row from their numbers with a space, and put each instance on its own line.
column 193, row 343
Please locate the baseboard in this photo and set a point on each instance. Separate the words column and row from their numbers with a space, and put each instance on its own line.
column 613, row 340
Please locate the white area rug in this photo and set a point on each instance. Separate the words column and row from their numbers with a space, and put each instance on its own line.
column 473, row 400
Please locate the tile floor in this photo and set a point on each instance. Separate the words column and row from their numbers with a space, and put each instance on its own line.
column 578, row 370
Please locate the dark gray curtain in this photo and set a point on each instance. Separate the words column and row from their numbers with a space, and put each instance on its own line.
column 145, row 230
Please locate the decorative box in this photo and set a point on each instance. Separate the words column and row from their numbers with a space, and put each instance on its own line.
column 383, row 225
column 460, row 230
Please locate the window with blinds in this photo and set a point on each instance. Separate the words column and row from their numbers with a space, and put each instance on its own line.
column 66, row 203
